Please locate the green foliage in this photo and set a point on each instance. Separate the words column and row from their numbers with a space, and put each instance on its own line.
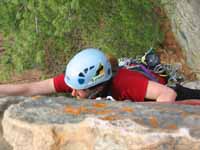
column 46, row 34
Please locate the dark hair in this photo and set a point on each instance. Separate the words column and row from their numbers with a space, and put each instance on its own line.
column 103, row 93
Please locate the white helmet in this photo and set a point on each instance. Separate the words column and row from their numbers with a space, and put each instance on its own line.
column 88, row 68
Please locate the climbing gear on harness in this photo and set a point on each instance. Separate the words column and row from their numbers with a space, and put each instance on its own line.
column 142, row 69
column 150, row 59
column 170, row 71
column 149, row 64
column 88, row 68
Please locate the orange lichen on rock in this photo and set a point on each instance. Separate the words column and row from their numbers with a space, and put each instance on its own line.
column 153, row 121
column 97, row 112
column 73, row 110
column 103, row 112
column 110, row 118
column 172, row 126
column 184, row 114
column 93, row 111
column 127, row 109
column 99, row 105
column 82, row 109
column 35, row 97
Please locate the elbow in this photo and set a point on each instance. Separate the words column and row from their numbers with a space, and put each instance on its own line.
column 172, row 95
column 167, row 96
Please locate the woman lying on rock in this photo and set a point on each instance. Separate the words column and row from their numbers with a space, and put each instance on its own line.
column 89, row 75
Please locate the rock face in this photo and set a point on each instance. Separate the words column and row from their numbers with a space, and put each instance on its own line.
column 185, row 21
column 68, row 124
column 5, row 102
column 192, row 84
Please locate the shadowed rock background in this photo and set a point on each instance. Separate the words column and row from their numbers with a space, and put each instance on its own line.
column 184, row 16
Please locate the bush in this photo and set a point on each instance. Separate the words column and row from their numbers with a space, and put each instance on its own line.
column 45, row 34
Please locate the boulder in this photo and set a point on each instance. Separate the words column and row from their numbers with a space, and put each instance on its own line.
column 68, row 124
column 5, row 102
column 185, row 21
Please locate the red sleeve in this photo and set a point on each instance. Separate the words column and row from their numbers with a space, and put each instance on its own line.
column 162, row 80
column 60, row 85
column 130, row 85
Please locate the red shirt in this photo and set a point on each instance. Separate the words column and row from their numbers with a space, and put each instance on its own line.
column 126, row 85
column 60, row 85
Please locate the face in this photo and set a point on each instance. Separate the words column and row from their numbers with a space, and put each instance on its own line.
column 86, row 93
column 80, row 94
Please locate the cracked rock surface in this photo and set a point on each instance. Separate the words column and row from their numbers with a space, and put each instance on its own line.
column 62, row 123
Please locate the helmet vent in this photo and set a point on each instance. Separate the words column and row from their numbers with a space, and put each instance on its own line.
column 85, row 70
column 91, row 67
column 109, row 71
column 81, row 74
column 81, row 81
column 100, row 70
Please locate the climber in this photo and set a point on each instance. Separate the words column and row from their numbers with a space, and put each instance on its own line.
column 89, row 75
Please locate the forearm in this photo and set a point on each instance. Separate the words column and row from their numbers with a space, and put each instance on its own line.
column 13, row 90
column 28, row 89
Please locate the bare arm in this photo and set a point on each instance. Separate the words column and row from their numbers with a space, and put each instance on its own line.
column 28, row 89
column 160, row 93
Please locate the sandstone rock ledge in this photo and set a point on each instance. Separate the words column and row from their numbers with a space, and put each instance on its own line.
column 68, row 124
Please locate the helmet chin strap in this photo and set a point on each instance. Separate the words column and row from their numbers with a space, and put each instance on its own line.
column 94, row 92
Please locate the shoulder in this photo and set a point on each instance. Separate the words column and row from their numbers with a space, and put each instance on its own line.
column 124, row 74
column 128, row 84
column 126, row 78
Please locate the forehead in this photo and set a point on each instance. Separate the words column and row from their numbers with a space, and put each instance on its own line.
column 83, row 90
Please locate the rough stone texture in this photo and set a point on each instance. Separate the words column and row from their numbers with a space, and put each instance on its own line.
column 192, row 84
column 68, row 124
column 185, row 21
column 3, row 144
column 5, row 102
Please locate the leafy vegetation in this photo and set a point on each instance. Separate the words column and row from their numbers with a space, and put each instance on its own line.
column 45, row 34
